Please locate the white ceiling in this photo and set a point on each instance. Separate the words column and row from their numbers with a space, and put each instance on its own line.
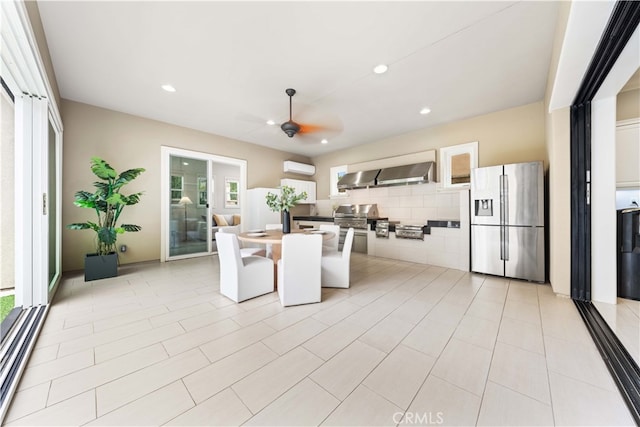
column 232, row 61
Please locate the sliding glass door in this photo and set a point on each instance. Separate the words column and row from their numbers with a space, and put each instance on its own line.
column 7, row 192
column 188, row 205
column 194, row 187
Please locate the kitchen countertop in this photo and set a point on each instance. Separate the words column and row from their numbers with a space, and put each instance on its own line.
column 443, row 223
column 313, row 218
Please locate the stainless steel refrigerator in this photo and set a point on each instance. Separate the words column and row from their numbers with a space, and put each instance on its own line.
column 507, row 221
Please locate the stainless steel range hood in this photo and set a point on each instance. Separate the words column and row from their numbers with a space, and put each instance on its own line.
column 361, row 179
column 417, row 173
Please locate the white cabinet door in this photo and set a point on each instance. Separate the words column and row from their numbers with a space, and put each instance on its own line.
column 627, row 154
column 300, row 186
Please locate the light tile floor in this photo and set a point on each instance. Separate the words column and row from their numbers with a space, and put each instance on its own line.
column 407, row 344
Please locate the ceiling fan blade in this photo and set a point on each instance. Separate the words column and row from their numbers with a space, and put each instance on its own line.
column 328, row 127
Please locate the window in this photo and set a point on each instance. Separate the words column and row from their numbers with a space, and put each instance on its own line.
column 335, row 173
column 457, row 162
column 202, row 192
column 177, row 187
column 231, row 186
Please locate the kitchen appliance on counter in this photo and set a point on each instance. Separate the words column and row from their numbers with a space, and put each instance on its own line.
column 382, row 229
column 628, row 259
column 357, row 217
column 406, row 231
column 507, row 221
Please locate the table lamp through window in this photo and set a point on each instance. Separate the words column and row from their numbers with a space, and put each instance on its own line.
column 184, row 202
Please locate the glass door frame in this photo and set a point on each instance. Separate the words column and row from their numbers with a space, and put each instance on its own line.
column 165, row 198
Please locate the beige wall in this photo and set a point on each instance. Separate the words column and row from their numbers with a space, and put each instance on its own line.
column 508, row 136
column 558, row 128
column 557, row 132
column 628, row 105
column 127, row 141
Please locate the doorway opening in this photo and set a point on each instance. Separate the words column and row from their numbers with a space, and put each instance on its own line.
column 195, row 187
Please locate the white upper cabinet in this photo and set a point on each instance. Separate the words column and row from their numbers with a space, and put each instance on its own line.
column 628, row 153
column 300, row 186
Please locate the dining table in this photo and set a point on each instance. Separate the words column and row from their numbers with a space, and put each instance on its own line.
column 274, row 238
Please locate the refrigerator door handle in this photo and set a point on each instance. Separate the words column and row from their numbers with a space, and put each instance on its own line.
column 505, row 191
column 505, row 244
column 503, row 200
column 501, row 243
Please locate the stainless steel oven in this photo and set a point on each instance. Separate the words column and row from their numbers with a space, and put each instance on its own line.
column 356, row 217
column 360, row 238
column 409, row 232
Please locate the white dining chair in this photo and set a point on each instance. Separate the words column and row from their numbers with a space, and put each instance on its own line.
column 269, row 249
column 299, row 269
column 336, row 265
column 244, row 251
column 242, row 278
column 330, row 245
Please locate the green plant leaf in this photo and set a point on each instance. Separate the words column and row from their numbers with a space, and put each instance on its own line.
column 128, row 175
column 285, row 200
column 107, row 235
column 79, row 226
column 116, row 199
column 102, row 169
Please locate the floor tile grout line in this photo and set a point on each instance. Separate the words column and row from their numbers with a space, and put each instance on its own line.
column 443, row 348
column 546, row 361
column 484, row 389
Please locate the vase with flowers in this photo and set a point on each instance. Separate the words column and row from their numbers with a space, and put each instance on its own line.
column 283, row 202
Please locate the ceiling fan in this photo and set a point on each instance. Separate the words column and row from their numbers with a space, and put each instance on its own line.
column 292, row 128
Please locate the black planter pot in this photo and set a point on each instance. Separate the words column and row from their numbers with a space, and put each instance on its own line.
column 286, row 222
column 100, row 266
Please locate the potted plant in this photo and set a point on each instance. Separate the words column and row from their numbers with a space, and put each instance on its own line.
column 107, row 202
column 283, row 202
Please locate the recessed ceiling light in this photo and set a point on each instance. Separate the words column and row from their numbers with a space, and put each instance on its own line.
column 380, row 69
column 271, row 122
column 425, row 111
column 169, row 88
column 324, row 141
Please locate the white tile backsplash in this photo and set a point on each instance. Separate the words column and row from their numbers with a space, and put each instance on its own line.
column 416, row 204
column 409, row 204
